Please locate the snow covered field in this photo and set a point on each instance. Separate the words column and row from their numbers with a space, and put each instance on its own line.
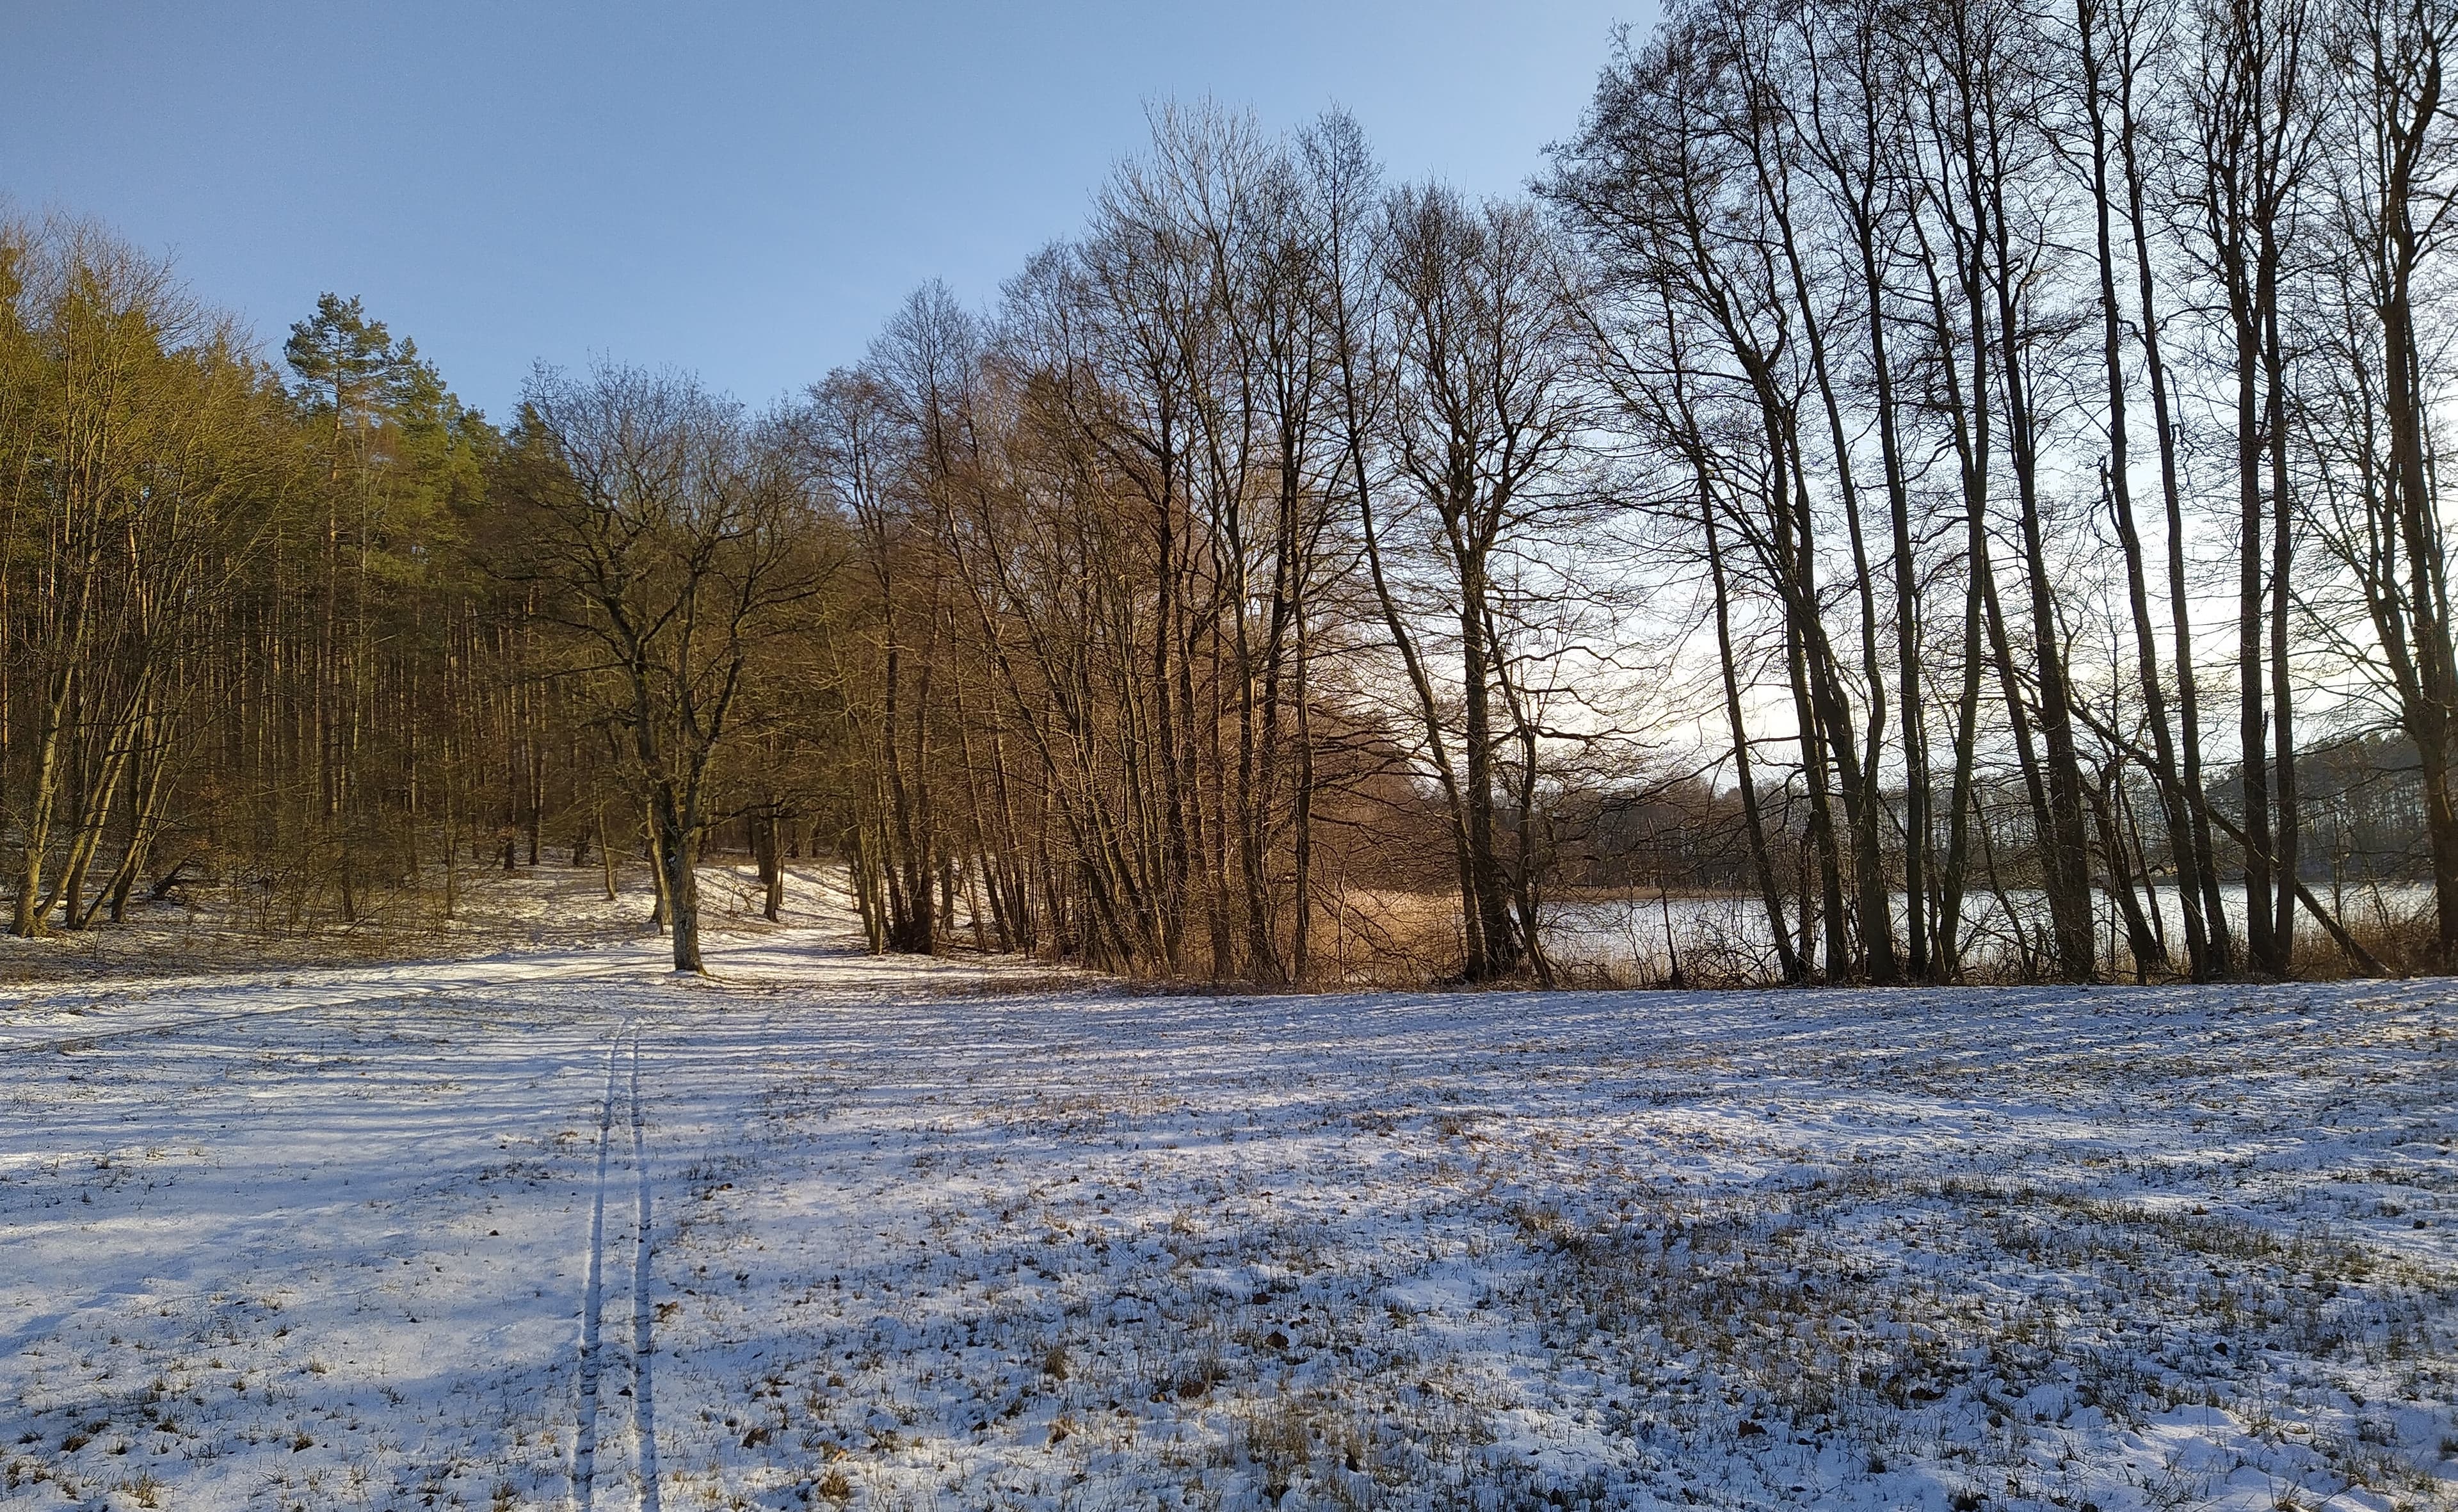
column 553, row 1229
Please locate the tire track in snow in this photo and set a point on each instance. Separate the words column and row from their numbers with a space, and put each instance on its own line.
column 592, row 1298
column 645, row 1409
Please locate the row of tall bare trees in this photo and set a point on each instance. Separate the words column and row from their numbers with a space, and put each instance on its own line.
column 1228, row 556
column 1943, row 364
column 1847, row 444
column 1902, row 289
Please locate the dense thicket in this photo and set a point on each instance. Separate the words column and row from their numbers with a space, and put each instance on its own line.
column 231, row 616
column 316, row 638
column 1903, row 464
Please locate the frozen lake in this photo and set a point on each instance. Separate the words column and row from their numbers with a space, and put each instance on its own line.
column 1724, row 938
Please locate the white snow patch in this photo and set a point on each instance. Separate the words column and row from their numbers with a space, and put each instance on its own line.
column 969, row 1235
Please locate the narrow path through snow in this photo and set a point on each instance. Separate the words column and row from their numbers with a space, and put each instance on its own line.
column 592, row 1299
column 645, row 1409
column 623, row 1055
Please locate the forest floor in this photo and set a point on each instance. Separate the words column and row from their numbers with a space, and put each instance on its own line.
column 552, row 1227
column 226, row 931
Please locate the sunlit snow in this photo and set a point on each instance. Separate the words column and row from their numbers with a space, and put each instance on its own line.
column 968, row 1234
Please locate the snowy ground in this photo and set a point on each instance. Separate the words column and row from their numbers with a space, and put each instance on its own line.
column 228, row 929
column 553, row 1229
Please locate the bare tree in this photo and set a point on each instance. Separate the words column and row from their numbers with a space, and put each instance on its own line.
column 2256, row 138
column 672, row 534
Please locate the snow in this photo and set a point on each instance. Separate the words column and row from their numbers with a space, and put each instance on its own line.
column 551, row 1226
column 235, row 931
column 1724, row 938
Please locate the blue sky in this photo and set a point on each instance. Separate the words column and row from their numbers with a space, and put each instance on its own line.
column 746, row 190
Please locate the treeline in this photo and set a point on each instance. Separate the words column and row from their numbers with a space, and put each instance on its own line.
column 1969, row 323
column 1204, row 575
column 315, row 638
column 230, row 632
column 1895, row 455
column 1959, row 357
